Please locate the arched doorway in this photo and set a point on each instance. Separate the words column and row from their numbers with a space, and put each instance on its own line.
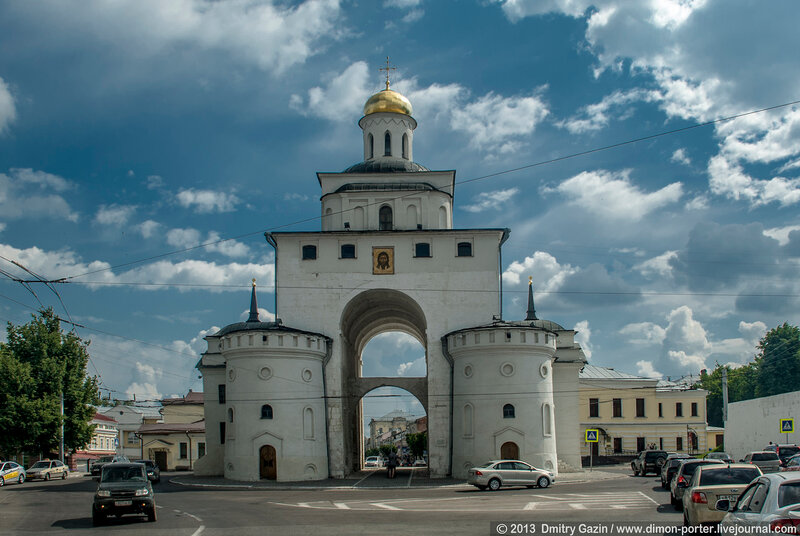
column 267, row 461
column 509, row 451
column 393, row 417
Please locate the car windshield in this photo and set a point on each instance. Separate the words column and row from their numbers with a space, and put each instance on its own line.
column 789, row 493
column 764, row 456
column 40, row 465
column 123, row 474
column 728, row 475
column 789, row 451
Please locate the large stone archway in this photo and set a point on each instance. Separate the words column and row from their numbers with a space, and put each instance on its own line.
column 368, row 314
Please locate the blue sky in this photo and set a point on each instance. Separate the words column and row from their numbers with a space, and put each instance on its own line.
column 134, row 129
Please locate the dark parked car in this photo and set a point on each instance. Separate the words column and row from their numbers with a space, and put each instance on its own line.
column 784, row 451
column 123, row 489
column 670, row 467
column 153, row 472
column 648, row 461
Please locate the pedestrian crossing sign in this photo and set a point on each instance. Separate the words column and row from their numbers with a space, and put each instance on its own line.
column 592, row 435
column 787, row 426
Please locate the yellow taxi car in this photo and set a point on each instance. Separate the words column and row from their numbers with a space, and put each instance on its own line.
column 11, row 472
column 48, row 469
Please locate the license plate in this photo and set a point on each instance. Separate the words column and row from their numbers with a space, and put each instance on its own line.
column 123, row 503
column 731, row 498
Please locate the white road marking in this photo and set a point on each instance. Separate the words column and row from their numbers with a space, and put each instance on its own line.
column 386, row 506
column 200, row 529
column 530, row 506
column 363, row 479
column 649, row 498
column 341, row 506
column 577, row 506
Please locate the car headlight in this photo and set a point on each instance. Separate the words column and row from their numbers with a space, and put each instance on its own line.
column 140, row 492
column 103, row 493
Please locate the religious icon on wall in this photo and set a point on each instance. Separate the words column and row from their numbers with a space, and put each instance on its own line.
column 382, row 260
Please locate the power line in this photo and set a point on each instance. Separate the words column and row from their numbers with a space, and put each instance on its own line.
column 465, row 181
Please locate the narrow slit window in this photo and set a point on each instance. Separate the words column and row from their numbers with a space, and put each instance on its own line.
column 371, row 148
column 405, row 146
column 387, row 145
column 266, row 411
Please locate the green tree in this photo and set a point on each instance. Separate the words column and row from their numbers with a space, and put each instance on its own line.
column 417, row 443
column 372, row 452
column 778, row 361
column 38, row 364
column 741, row 386
column 386, row 448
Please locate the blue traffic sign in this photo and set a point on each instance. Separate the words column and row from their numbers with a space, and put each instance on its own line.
column 787, row 426
column 592, row 435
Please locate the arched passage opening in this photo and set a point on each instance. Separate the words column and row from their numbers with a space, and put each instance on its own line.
column 393, row 418
column 386, row 316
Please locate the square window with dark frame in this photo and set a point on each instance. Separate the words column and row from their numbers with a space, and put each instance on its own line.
column 309, row 252
column 348, row 251
column 464, row 249
column 422, row 249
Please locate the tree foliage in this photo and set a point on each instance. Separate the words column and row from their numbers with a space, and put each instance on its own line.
column 774, row 370
column 374, row 451
column 386, row 448
column 37, row 364
column 417, row 443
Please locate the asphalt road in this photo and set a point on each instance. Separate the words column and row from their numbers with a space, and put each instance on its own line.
column 64, row 507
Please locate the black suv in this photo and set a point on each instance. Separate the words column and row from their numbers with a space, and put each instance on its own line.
column 648, row 461
column 123, row 489
column 153, row 471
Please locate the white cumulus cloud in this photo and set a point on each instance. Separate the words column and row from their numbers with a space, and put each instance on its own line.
column 491, row 200
column 115, row 215
column 8, row 110
column 207, row 201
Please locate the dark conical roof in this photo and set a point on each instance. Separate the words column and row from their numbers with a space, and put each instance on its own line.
column 253, row 305
column 531, row 309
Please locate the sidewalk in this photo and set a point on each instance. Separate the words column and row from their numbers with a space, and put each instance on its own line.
column 406, row 478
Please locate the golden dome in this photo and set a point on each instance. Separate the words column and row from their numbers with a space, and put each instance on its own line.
column 387, row 100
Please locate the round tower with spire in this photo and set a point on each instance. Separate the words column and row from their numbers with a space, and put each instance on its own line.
column 267, row 420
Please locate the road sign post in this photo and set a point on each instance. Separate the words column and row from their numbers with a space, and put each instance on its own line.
column 787, row 427
column 591, row 436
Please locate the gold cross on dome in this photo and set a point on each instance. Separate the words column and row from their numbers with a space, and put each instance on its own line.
column 387, row 69
column 254, row 281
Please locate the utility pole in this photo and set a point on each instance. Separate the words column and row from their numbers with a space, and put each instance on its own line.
column 724, row 395
column 61, row 446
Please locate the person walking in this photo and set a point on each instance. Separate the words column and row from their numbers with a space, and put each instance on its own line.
column 391, row 464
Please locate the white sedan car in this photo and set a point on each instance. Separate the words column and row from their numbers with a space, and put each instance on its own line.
column 497, row 473
column 772, row 501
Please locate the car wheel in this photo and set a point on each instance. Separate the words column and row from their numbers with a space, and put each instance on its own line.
column 494, row 484
column 543, row 482
column 64, row 475
column 21, row 479
column 47, row 476
column 660, row 461
column 151, row 514
column 97, row 518
column 2, row 481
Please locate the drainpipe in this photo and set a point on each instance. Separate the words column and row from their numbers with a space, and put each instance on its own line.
column 449, row 358
column 328, row 352
column 190, row 449
column 271, row 241
column 506, row 234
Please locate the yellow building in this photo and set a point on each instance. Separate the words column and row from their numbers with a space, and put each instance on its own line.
column 178, row 441
column 634, row 413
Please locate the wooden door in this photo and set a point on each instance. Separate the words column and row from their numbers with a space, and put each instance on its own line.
column 160, row 457
column 268, row 468
column 509, row 451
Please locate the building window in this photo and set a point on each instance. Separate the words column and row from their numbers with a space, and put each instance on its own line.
column 266, row 411
column 661, row 443
column 640, row 407
column 508, row 411
column 679, row 409
column 422, row 249
column 694, row 409
column 679, row 443
column 230, row 414
column 371, row 143
column 640, row 444
column 468, row 420
column 348, row 251
column 387, row 145
column 184, row 451
column 308, row 423
column 221, row 389
column 616, row 407
column 617, row 445
column 309, row 253
column 385, row 218
column 201, row 450
column 594, row 407
column 464, row 249
column 547, row 420
column 405, row 146
column 660, row 410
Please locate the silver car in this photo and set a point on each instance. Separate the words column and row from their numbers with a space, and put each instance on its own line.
column 768, row 462
column 497, row 473
column 772, row 501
